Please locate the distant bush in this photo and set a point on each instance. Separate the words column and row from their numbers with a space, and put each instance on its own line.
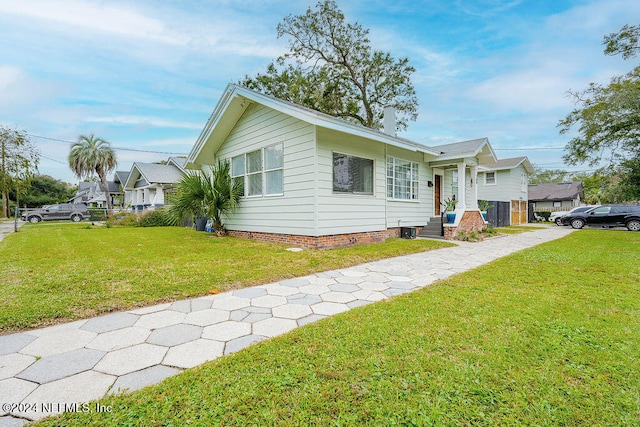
column 545, row 215
column 156, row 218
column 98, row 214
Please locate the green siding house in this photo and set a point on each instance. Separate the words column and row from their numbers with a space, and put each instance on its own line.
column 315, row 180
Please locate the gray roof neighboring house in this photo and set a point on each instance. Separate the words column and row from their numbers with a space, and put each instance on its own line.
column 153, row 173
column 555, row 191
column 479, row 148
column 510, row 163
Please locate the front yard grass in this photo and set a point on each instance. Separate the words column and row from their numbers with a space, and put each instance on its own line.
column 56, row 272
column 547, row 336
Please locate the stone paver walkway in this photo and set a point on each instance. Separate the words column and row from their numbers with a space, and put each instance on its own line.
column 46, row 371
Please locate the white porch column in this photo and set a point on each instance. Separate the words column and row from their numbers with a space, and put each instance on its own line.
column 159, row 195
column 474, row 187
column 462, row 194
column 145, row 196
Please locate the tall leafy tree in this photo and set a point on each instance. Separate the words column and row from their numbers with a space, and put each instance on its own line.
column 18, row 162
column 45, row 190
column 90, row 155
column 331, row 67
column 607, row 118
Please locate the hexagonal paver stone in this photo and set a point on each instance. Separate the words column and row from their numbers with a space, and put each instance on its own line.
column 294, row 283
column 160, row 319
column 207, row 317
column 131, row 359
column 314, row 289
column 329, row 308
column 240, row 343
column 358, row 303
column 283, row 291
column 249, row 292
column 121, row 338
column 59, row 342
column 14, row 342
column 181, row 306
column 310, row 319
column 175, row 335
column 83, row 387
column 63, row 327
column 323, row 281
column 226, row 331
column 61, row 365
column 273, row 327
column 13, row 390
column 304, row 299
column 373, row 286
column 394, row 292
column 136, row 380
column 344, row 287
column 14, row 363
column 230, row 303
column 12, row 422
column 268, row 301
column 193, row 353
column 151, row 309
column 401, row 285
column 354, row 280
column 338, row 297
column 110, row 322
column 291, row 311
column 256, row 317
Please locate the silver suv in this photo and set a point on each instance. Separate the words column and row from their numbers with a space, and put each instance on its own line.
column 74, row 212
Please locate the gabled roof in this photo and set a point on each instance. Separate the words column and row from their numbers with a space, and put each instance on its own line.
column 510, row 163
column 120, row 177
column 479, row 148
column 153, row 173
column 236, row 99
column 555, row 191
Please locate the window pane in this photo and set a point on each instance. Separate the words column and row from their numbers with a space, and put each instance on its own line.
column 240, row 181
column 352, row 174
column 237, row 166
column 255, row 184
column 274, row 182
column 273, row 157
column 254, row 162
column 341, row 176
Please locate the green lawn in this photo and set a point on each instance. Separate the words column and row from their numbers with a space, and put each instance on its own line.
column 548, row 336
column 55, row 272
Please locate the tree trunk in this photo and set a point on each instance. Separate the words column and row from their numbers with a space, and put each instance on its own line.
column 107, row 195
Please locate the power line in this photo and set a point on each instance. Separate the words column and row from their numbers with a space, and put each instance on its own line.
column 114, row 147
column 529, row 149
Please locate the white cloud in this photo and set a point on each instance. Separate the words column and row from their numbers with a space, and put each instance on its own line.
column 145, row 121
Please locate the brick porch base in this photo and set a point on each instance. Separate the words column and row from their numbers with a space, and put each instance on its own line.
column 471, row 222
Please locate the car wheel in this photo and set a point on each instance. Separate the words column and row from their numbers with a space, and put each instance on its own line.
column 34, row 219
column 633, row 225
column 76, row 218
column 577, row 223
column 558, row 221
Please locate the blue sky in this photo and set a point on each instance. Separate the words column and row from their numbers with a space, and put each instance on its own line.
column 146, row 75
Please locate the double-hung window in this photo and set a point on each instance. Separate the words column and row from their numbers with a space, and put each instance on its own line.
column 402, row 179
column 352, row 174
column 261, row 171
column 489, row 178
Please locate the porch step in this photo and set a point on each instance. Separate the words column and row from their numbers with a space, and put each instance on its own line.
column 433, row 229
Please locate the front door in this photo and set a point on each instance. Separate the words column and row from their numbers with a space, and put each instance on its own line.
column 436, row 194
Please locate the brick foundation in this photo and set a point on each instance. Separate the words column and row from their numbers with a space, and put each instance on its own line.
column 471, row 222
column 321, row 242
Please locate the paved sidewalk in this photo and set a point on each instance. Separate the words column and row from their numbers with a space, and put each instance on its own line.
column 8, row 227
column 42, row 370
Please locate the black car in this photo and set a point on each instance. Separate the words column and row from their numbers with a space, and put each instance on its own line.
column 606, row 216
column 73, row 211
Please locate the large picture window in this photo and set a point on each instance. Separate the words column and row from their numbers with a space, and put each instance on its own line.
column 352, row 174
column 402, row 179
column 261, row 171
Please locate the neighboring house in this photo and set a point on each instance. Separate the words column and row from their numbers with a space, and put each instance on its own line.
column 147, row 184
column 505, row 184
column 318, row 181
column 92, row 194
column 557, row 196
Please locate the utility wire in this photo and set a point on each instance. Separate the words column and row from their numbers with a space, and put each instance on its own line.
column 114, row 147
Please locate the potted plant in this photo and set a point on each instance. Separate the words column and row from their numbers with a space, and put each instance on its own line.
column 450, row 207
column 484, row 206
column 201, row 196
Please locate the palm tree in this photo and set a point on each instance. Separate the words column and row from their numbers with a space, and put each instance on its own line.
column 93, row 155
column 210, row 195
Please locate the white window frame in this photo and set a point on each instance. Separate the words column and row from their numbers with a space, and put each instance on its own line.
column 357, row 193
column 523, row 182
column 495, row 178
column 263, row 172
column 413, row 181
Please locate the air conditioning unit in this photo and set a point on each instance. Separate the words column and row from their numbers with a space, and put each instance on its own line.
column 408, row 232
